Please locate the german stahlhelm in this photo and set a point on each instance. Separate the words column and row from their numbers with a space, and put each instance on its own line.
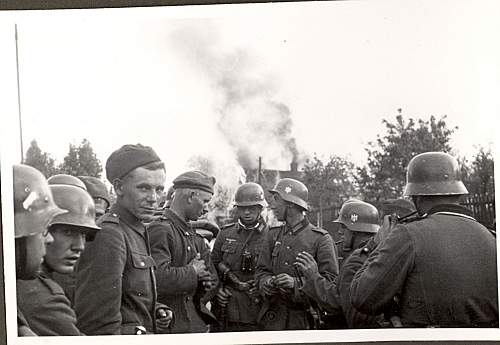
column 292, row 191
column 359, row 216
column 250, row 194
column 67, row 180
column 34, row 206
column 80, row 206
column 434, row 173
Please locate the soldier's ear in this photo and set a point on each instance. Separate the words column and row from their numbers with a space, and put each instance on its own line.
column 118, row 186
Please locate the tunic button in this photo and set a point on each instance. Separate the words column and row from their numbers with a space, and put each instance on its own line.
column 288, row 247
column 286, row 263
column 142, row 263
column 188, row 298
column 115, row 215
column 139, row 294
column 189, row 248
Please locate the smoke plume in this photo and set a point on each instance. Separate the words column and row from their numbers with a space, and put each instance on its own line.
column 247, row 111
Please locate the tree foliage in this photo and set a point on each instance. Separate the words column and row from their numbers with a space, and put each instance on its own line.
column 81, row 160
column 479, row 175
column 384, row 175
column 40, row 160
column 331, row 182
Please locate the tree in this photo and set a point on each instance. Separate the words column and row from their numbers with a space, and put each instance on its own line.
column 40, row 160
column 384, row 176
column 81, row 160
column 479, row 176
column 330, row 183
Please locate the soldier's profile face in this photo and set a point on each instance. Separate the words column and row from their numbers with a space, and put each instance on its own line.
column 35, row 251
column 140, row 191
column 248, row 215
column 278, row 206
column 101, row 206
column 198, row 205
column 64, row 252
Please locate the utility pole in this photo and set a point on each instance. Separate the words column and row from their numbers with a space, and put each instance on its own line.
column 19, row 97
column 260, row 171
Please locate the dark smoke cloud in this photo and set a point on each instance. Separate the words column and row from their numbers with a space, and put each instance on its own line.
column 249, row 115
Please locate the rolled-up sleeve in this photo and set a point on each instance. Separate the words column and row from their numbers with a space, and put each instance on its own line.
column 383, row 274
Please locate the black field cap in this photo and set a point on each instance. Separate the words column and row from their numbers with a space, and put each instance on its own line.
column 195, row 180
column 127, row 158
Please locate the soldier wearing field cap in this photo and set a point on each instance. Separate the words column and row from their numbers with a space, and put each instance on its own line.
column 115, row 287
column 439, row 266
column 98, row 191
column 279, row 274
column 184, row 272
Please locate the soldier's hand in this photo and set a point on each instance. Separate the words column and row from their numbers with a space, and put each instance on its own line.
column 284, row 281
column 253, row 286
column 209, row 282
column 163, row 319
column 385, row 229
column 268, row 287
column 222, row 297
column 199, row 266
column 306, row 264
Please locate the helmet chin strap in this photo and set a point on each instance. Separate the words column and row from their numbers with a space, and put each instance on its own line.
column 347, row 247
column 251, row 227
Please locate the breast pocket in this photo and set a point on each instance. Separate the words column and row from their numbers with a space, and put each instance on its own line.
column 139, row 278
column 230, row 253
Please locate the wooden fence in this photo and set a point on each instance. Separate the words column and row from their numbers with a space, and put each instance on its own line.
column 482, row 207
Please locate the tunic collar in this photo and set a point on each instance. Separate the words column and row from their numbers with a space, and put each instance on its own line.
column 178, row 221
column 127, row 217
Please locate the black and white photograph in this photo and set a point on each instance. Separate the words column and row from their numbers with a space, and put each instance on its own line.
column 299, row 172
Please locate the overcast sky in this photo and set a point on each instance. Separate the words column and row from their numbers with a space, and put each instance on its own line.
column 236, row 82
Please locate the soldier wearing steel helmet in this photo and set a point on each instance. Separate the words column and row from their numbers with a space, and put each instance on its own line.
column 359, row 221
column 34, row 209
column 42, row 300
column 441, row 266
column 280, row 280
column 235, row 255
column 98, row 191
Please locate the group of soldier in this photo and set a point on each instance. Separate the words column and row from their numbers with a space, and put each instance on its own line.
column 87, row 266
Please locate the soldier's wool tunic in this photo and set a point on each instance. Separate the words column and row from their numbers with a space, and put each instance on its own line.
column 281, row 246
column 174, row 244
column 442, row 267
column 229, row 246
column 45, row 307
column 115, row 287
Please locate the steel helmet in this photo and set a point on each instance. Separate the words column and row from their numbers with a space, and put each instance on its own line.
column 34, row 205
column 434, row 173
column 250, row 194
column 359, row 216
column 292, row 191
column 80, row 206
column 67, row 180
column 96, row 188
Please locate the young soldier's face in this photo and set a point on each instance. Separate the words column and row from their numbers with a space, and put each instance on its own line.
column 64, row 252
column 140, row 191
column 248, row 215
